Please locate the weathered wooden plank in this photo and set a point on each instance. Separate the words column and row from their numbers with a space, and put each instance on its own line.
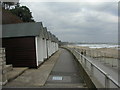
column 20, row 51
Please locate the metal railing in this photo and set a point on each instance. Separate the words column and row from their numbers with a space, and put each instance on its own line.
column 107, row 82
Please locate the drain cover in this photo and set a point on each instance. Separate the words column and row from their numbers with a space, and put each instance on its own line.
column 57, row 78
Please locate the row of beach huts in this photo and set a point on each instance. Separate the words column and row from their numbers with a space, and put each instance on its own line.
column 28, row 44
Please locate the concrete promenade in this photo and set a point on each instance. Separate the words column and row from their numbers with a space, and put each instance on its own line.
column 66, row 73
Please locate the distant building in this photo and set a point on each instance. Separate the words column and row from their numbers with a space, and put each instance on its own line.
column 27, row 44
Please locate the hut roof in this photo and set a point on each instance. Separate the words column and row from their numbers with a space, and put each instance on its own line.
column 45, row 33
column 53, row 38
column 22, row 30
column 49, row 35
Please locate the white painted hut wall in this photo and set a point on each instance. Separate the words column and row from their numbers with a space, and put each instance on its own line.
column 36, row 45
column 47, row 48
column 48, row 44
column 41, row 46
column 51, row 51
column 39, row 49
column 44, row 49
column 56, row 47
column 53, row 47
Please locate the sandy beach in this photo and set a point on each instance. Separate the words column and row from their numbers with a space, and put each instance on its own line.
column 98, row 52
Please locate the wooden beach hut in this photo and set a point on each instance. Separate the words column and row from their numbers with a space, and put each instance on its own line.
column 49, row 43
column 24, row 44
column 45, row 47
column 56, row 43
column 53, row 43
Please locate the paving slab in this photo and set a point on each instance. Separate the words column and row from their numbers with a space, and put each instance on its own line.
column 15, row 72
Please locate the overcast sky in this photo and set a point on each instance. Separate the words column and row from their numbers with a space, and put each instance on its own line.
column 78, row 21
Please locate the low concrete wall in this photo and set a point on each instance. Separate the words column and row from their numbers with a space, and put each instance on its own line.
column 3, row 76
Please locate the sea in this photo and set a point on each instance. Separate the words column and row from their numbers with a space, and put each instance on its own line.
column 99, row 45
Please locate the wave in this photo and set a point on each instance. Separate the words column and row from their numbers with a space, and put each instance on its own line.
column 99, row 45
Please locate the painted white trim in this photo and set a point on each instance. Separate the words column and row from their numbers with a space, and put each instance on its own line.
column 45, row 48
column 36, row 44
column 48, row 43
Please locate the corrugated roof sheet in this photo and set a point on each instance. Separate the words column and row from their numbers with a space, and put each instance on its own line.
column 22, row 29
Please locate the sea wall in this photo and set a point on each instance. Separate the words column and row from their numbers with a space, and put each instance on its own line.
column 3, row 76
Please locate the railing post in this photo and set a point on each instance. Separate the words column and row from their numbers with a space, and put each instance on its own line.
column 85, row 62
column 90, row 53
column 107, row 84
column 81, row 58
column 100, row 56
column 78, row 56
column 104, row 58
column 112, row 64
column 97, row 54
column 92, row 69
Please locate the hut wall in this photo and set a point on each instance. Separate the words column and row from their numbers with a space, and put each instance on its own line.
column 47, row 47
column 44, row 49
column 39, row 49
column 48, row 44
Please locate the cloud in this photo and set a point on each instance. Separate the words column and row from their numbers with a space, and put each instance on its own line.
column 78, row 21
